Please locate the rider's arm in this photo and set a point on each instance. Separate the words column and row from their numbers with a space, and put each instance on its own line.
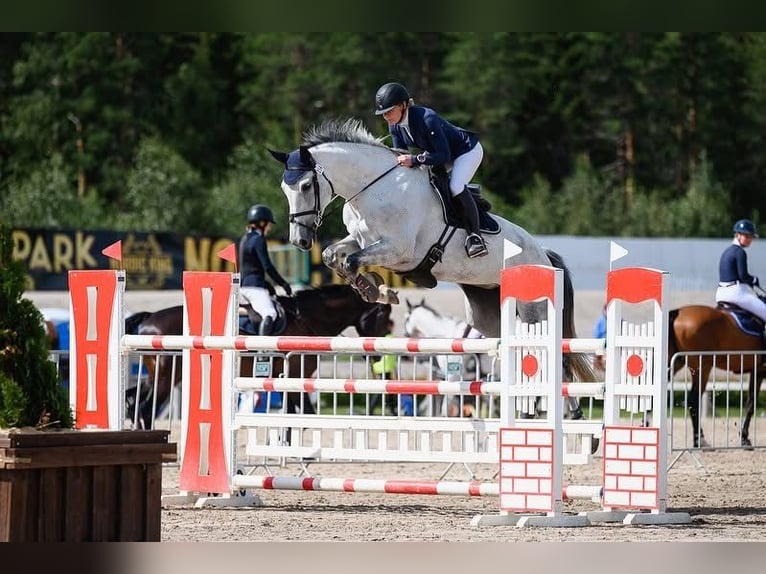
column 438, row 152
column 744, row 276
column 263, row 254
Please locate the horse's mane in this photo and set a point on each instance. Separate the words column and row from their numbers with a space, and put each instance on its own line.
column 351, row 130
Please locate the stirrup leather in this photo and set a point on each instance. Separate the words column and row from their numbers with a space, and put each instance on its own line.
column 475, row 246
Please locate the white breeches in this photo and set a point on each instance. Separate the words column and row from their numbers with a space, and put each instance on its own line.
column 744, row 296
column 259, row 300
column 463, row 169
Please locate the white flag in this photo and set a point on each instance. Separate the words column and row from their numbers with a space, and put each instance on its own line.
column 616, row 251
column 510, row 249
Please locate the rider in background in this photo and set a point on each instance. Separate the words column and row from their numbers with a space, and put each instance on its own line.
column 735, row 283
column 255, row 264
column 442, row 143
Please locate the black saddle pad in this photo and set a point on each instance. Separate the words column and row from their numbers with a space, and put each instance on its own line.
column 746, row 321
column 440, row 185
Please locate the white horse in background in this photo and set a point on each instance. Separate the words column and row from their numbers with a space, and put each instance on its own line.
column 424, row 321
column 397, row 220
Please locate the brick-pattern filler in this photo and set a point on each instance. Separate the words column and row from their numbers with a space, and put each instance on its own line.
column 526, row 470
column 631, row 467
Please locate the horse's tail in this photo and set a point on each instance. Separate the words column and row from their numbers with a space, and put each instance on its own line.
column 134, row 321
column 580, row 364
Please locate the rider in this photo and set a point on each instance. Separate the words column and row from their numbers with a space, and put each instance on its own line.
column 255, row 263
column 442, row 143
column 735, row 283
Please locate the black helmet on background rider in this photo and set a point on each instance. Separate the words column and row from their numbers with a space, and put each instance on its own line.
column 388, row 96
column 745, row 226
column 258, row 213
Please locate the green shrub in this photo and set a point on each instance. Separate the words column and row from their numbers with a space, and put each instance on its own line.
column 30, row 391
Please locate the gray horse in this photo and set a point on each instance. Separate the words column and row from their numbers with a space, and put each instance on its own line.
column 397, row 220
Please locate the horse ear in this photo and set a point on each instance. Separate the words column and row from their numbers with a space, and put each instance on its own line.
column 280, row 156
column 306, row 158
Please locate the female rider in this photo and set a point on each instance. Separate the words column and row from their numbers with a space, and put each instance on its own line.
column 735, row 283
column 255, row 264
column 442, row 143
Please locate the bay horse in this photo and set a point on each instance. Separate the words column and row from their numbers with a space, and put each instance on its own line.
column 699, row 329
column 396, row 220
column 314, row 312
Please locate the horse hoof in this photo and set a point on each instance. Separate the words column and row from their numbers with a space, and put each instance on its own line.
column 745, row 442
column 594, row 445
column 366, row 289
column 388, row 295
column 702, row 444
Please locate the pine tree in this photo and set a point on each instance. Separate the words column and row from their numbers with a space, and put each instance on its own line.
column 30, row 392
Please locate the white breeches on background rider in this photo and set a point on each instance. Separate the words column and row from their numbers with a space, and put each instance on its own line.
column 259, row 300
column 463, row 169
column 742, row 295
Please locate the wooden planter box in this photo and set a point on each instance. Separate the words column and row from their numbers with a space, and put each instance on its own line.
column 78, row 486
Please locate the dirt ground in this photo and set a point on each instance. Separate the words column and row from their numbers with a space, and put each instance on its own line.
column 724, row 498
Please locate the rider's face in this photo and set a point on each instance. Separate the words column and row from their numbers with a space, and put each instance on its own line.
column 744, row 239
column 394, row 115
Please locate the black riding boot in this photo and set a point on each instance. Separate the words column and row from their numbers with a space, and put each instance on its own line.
column 266, row 325
column 474, row 243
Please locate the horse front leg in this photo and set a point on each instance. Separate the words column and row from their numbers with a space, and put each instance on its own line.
column 696, row 393
column 345, row 258
column 752, row 396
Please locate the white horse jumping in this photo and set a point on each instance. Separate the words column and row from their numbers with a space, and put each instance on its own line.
column 397, row 220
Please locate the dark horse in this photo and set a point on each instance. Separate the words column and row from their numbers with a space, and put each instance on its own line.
column 322, row 312
column 699, row 328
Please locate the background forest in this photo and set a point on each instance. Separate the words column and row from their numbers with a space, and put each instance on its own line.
column 620, row 134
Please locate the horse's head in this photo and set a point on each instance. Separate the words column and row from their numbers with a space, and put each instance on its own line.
column 417, row 314
column 374, row 323
column 305, row 197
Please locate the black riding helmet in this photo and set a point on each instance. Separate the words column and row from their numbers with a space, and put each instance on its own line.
column 258, row 213
column 388, row 96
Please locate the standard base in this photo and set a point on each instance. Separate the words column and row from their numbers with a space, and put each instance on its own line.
column 522, row 520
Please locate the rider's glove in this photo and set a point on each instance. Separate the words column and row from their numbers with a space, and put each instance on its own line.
column 288, row 289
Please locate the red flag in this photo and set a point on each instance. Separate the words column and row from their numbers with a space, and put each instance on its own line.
column 229, row 254
column 114, row 250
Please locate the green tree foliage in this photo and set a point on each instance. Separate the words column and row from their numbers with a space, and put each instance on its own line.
column 162, row 192
column 44, row 198
column 30, row 392
column 169, row 131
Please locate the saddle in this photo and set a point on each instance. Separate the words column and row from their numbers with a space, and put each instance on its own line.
column 250, row 320
column 439, row 179
column 745, row 320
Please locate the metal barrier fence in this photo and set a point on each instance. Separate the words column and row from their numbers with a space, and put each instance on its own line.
column 723, row 405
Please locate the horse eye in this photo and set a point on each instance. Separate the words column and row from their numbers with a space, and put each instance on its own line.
column 306, row 185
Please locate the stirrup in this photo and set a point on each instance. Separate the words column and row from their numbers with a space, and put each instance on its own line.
column 475, row 246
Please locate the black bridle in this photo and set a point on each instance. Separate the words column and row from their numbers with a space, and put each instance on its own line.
column 310, row 164
column 315, row 170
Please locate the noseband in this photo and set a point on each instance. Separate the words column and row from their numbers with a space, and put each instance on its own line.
column 317, row 169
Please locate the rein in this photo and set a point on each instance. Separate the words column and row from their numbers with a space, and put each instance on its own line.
column 366, row 187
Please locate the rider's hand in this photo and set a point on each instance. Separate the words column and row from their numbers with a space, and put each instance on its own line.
column 405, row 160
column 288, row 289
